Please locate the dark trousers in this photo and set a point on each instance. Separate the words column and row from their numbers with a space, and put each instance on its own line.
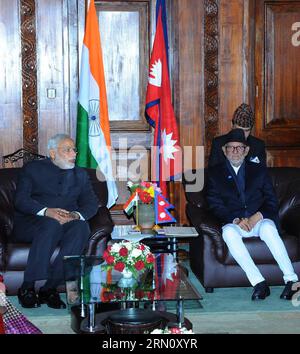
column 45, row 234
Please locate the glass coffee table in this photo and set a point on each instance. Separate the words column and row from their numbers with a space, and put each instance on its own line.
column 88, row 284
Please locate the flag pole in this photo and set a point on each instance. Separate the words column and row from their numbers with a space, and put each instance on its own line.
column 156, row 227
column 137, row 226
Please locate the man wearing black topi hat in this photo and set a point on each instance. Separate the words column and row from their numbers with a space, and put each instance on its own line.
column 243, row 118
column 241, row 195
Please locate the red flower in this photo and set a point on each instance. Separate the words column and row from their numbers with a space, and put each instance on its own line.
column 119, row 266
column 111, row 296
column 139, row 294
column 120, row 295
column 145, row 197
column 109, row 248
column 107, row 296
column 139, row 265
column 110, row 259
column 141, row 247
column 123, row 252
column 150, row 258
column 106, row 254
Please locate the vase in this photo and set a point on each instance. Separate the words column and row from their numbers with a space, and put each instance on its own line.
column 145, row 216
column 127, row 280
column 127, row 274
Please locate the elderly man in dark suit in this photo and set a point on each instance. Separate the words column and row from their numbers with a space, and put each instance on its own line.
column 241, row 195
column 54, row 199
column 243, row 118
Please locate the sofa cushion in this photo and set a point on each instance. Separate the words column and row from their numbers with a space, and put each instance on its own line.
column 17, row 254
column 8, row 179
column 262, row 255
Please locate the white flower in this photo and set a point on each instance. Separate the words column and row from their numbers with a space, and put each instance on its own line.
column 116, row 247
column 136, row 253
column 128, row 245
column 157, row 331
column 167, row 330
column 129, row 184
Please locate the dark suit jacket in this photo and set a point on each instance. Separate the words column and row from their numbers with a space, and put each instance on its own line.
column 225, row 200
column 42, row 184
column 257, row 150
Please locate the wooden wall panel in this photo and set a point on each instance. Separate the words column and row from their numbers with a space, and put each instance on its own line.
column 188, row 83
column 289, row 157
column 54, row 80
column 283, row 68
column 230, row 60
column 277, row 76
column 126, row 25
column 41, row 39
column 11, row 121
column 211, row 72
column 29, row 75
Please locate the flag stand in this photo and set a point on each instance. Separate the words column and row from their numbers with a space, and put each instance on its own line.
column 137, row 226
column 156, row 227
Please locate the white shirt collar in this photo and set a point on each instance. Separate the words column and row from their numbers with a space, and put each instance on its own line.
column 236, row 169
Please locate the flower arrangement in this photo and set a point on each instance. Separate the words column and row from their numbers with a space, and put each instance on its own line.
column 144, row 190
column 172, row 330
column 132, row 256
column 151, row 207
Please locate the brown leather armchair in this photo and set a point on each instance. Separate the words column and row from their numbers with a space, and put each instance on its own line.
column 13, row 256
column 210, row 259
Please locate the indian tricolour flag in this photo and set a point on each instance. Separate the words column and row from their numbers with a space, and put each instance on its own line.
column 131, row 202
column 93, row 134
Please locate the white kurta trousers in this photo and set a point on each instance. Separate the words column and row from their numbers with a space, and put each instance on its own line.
column 265, row 229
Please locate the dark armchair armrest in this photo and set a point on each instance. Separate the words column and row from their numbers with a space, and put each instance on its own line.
column 207, row 224
column 290, row 221
column 4, row 231
column 101, row 227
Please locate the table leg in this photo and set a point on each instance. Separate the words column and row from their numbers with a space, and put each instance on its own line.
column 91, row 316
column 82, row 306
column 180, row 313
column 174, row 247
column 90, row 326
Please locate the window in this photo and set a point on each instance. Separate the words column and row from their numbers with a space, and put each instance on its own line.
column 125, row 46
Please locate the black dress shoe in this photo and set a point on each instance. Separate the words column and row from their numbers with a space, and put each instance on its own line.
column 28, row 298
column 261, row 291
column 51, row 298
column 288, row 292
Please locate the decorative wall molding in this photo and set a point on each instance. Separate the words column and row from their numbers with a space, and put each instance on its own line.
column 29, row 75
column 211, row 71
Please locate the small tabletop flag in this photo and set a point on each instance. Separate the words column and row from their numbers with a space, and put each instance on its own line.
column 130, row 204
column 162, row 215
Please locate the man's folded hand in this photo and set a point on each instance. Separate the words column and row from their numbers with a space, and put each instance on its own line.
column 244, row 224
column 61, row 215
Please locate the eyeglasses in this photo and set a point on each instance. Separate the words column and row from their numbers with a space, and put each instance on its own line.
column 68, row 150
column 239, row 148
